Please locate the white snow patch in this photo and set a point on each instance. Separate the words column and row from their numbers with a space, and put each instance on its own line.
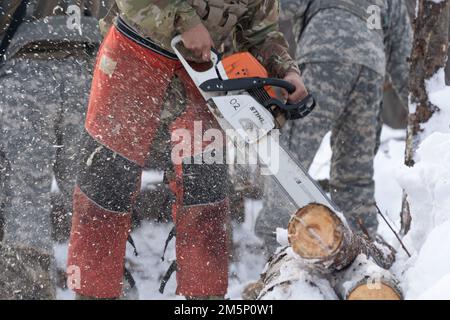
column 427, row 274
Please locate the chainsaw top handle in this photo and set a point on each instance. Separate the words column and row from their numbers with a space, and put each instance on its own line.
column 217, row 85
column 209, row 85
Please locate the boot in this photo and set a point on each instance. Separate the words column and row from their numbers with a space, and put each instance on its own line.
column 26, row 274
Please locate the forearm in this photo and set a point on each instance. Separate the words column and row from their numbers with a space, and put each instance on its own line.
column 275, row 56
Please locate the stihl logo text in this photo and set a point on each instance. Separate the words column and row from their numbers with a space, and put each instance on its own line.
column 258, row 115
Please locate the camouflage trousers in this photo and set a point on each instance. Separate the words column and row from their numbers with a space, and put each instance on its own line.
column 349, row 105
column 42, row 107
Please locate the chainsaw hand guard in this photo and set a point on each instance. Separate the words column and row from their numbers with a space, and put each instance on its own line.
column 294, row 111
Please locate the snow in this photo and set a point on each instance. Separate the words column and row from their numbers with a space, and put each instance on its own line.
column 427, row 274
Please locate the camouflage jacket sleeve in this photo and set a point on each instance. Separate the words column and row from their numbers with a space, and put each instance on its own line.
column 181, row 14
column 7, row 9
column 259, row 34
column 292, row 17
column 399, row 44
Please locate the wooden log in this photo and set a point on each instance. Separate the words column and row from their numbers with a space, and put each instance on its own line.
column 315, row 232
column 284, row 278
column 365, row 280
column 324, row 253
column 326, row 244
column 321, row 238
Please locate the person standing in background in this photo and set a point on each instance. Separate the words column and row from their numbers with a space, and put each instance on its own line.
column 48, row 53
column 344, row 61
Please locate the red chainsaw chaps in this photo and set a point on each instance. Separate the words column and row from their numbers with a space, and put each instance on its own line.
column 97, row 247
column 127, row 95
column 202, row 250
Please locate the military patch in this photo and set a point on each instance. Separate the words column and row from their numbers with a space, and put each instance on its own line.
column 107, row 65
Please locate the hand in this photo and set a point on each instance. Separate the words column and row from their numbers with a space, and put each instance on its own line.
column 300, row 89
column 198, row 41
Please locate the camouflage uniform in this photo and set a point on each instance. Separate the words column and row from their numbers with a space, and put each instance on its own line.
column 344, row 65
column 44, row 88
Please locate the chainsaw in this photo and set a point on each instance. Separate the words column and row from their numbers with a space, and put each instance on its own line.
column 244, row 100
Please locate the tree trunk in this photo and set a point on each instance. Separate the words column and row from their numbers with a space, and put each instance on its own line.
column 429, row 55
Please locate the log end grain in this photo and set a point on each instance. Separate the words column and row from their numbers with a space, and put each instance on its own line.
column 315, row 232
column 374, row 292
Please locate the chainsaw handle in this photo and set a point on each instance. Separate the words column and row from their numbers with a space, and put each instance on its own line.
column 217, row 85
column 289, row 87
column 215, row 55
column 197, row 76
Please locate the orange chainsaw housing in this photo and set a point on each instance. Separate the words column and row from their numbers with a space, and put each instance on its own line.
column 245, row 65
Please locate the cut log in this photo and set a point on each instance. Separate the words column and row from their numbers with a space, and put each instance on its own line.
column 285, row 277
column 365, row 280
column 321, row 238
column 326, row 244
column 315, row 232
column 324, row 253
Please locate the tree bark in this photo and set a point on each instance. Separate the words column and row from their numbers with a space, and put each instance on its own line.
column 283, row 271
column 429, row 54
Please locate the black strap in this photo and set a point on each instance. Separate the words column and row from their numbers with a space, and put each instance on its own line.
column 130, row 33
column 16, row 20
column 129, row 277
column 172, row 234
column 131, row 241
column 173, row 267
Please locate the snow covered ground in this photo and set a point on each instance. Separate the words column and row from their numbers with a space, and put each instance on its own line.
column 425, row 276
